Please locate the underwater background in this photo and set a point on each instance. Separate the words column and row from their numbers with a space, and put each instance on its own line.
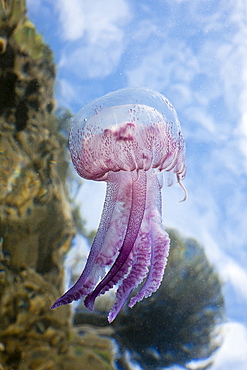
column 52, row 64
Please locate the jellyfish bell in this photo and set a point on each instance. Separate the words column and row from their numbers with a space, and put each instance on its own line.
column 125, row 138
column 142, row 106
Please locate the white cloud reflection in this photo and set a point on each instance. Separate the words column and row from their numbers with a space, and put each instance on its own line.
column 97, row 21
column 93, row 35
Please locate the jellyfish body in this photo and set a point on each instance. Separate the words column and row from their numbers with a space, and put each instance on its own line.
column 126, row 138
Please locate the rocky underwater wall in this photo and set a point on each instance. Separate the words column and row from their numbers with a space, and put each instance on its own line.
column 36, row 221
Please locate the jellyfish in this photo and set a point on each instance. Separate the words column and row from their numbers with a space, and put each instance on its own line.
column 127, row 138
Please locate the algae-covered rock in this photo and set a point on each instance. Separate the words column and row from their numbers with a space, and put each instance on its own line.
column 32, row 162
column 36, row 217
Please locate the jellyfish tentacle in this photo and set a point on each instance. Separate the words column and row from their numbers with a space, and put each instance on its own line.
column 137, row 274
column 160, row 251
column 183, row 188
column 138, row 204
column 108, row 239
column 119, row 274
column 142, row 247
column 159, row 241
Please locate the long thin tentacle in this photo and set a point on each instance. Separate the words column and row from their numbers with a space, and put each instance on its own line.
column 107, row 242
column 160, row 251
column 138, row 272
column 143, row 249
column 160, row 244
column 138, row 205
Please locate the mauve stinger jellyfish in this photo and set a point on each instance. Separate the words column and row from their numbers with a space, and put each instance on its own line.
column 126, row 138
